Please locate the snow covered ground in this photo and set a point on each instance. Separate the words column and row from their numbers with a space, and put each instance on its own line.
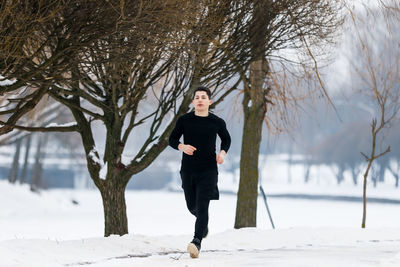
column 49, row 230
column 248, row 247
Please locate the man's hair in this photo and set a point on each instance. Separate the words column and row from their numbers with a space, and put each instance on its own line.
column 204, row 89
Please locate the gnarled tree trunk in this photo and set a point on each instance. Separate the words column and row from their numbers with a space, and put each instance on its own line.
column 115, row 217
column 254, row 107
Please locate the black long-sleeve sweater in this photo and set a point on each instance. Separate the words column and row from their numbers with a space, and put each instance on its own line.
column 200, row 132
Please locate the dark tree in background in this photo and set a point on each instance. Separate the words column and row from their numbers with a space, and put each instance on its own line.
column 274, row 27
column 341, row 150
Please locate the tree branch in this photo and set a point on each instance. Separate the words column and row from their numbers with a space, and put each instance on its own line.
column 72, row 128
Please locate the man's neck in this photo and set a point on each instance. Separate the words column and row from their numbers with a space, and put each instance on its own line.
column 203, row 113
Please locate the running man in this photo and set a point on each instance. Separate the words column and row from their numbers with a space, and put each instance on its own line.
column 199, row 171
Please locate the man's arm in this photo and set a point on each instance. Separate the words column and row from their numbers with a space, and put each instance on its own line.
column 225, row 137
column 225, row 142
column 176, row 135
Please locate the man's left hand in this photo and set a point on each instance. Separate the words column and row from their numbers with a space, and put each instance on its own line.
column 221, row 157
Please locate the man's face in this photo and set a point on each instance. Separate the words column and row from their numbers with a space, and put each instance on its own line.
column 201, row 101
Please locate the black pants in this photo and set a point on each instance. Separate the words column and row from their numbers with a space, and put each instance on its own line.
column 199, row 189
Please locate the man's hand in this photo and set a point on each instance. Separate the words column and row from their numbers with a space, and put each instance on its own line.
column 221, row 157
column 187, row 149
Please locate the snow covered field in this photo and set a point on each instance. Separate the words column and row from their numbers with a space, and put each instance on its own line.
column 49, row 230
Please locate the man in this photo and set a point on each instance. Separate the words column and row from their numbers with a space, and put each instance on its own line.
column 199, row 171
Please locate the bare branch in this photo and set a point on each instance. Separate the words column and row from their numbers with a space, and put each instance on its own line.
column 72, row 128
column 383, row 153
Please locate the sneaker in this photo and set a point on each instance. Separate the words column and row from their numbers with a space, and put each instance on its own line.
column 205, row 234
column 194, row 248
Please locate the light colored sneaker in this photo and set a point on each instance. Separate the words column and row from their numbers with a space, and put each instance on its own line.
column 194, row 248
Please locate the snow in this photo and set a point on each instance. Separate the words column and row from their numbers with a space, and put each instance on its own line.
column 290, row 247
column 5, row 82
column 53, row 124
column 49, row 230
column 97, row 160
column 94, row 157
column 126, row 159
column 103, row 171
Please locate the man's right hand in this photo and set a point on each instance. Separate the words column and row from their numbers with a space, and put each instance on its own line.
column 187, row 149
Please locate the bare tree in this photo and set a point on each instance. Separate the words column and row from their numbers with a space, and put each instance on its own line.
column 121, row 73
column 378, row 73
column 393, row 164
column 42, row 115
column 162, row 50
column 275, row 26
column 341, row 150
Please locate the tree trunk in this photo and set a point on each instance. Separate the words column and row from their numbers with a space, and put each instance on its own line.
column 290, row 163
column 395, row 174
column 254, row 113
column 26, row 159
column 383, row 165
column 115, row 217
column 307, row 174
column 374, row 180
column 370, row 160
column 13, row 174
column 364, row 217
column 37, row 170
column 340, row 174
column 354, row 174
column 375, row 174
